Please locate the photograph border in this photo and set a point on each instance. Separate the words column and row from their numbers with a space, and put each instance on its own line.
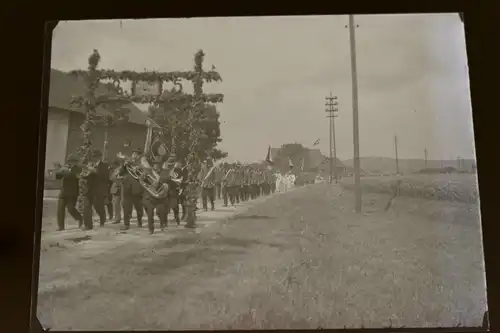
column 20, row 235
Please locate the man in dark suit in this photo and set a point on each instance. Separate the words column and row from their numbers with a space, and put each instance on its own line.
column 98, row 183
column 153, row 204
column 68, row 193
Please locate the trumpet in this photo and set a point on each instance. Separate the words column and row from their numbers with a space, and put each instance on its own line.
column 148, row 178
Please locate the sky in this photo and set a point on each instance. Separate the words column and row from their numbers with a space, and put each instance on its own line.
column 412, row 77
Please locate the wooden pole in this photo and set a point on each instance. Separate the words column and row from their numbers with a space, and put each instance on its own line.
column 355, row 116
column 335, row 172
column 425, row 157
column 332, row 114
column 331, row 109
column 331, row 140
column 396, row 152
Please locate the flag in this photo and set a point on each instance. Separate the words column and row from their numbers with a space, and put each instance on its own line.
column 316, row 143
column 290, row 164
column 268, row 156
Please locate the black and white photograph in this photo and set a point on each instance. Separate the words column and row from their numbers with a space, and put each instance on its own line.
column 272, row 172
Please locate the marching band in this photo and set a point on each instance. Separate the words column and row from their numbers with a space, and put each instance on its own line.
column 151, row 185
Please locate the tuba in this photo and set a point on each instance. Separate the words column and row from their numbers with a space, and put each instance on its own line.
column 147, row 177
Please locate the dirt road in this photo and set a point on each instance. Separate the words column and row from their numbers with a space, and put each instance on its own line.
column 301, row 259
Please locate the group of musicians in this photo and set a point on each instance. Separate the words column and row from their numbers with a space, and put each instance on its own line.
column 113, row 192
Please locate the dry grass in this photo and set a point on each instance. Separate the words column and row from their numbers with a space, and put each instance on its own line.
column 452, row 187
column 301, row 260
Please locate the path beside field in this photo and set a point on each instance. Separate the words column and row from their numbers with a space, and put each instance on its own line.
column 302, row 259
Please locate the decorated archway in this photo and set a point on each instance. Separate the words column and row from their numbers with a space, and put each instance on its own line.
column 174, row 115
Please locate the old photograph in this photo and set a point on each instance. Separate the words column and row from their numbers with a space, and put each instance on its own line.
column 280, row 172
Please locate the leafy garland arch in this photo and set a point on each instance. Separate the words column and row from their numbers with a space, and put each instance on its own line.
column 183, row 114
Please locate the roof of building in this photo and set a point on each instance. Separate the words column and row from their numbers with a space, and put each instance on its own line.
column 63, row 87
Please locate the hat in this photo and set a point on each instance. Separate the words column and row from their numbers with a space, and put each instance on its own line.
column 137, row 150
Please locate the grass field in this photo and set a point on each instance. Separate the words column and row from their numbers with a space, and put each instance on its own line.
column 300, row 260
column 449, row 187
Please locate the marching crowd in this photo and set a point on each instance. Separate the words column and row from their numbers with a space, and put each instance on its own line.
column 113, row 193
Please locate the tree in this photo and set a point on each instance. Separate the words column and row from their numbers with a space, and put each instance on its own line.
column 293, row 151
column 173, row 117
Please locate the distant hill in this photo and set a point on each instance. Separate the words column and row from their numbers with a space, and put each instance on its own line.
column 388, row 165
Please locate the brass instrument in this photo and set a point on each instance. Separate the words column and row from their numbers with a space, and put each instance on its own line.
column 147, row 177
column 88, row 169
column 153, row 138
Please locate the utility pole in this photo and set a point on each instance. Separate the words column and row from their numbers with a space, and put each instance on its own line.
column 425, row 157
column 355, row 116
column 396, row 151
column 331, row 102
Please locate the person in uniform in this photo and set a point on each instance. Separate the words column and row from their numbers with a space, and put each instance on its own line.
column 264, row 182
column 116, row 177
column 152, row 203
column 242, row 176
column 131, row 195
column 254, row 183
column 246, row 183
column 174, row 183
column 97, row 174
column 225, row 185
column 235, row 182
column 136, row 157
column 207, row 179
column 261, row 182
column 68, row 194
column 218, row 174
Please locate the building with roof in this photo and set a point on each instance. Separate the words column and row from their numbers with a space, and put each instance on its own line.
column 64, row 120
